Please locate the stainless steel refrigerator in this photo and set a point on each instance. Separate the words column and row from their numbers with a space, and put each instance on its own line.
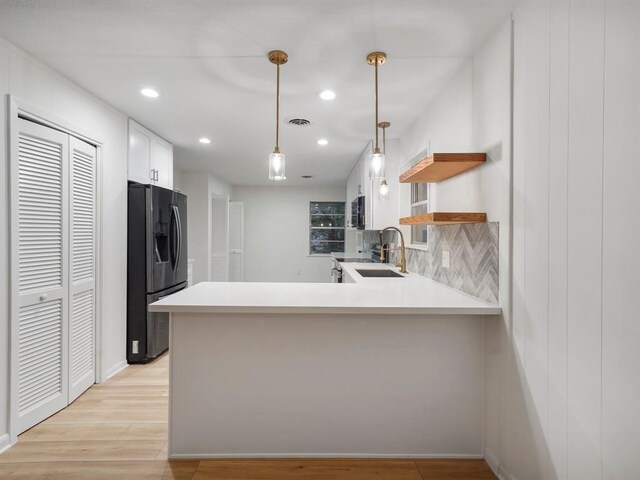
column 156, row 265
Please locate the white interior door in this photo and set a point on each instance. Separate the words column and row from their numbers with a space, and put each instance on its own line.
column 219, row 253
column 82, row 286
column 236, row 241
column 39, row 235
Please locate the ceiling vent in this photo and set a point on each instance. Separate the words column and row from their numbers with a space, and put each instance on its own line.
column 299, row 122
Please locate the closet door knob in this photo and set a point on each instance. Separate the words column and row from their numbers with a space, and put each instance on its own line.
column 43, row 297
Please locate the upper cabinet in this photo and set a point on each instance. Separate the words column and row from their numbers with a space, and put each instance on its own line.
column 150, row 157
column 358, row 184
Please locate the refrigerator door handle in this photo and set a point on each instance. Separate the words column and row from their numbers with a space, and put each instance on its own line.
column 173, row 237
column 179, row 232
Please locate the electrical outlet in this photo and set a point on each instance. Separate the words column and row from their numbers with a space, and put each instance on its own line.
column 445, row 259
column 134, row 347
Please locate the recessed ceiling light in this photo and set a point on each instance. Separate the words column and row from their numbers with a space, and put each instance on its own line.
column 327, row 95
column 322, row 141
column 204, row 140
column 149, row 92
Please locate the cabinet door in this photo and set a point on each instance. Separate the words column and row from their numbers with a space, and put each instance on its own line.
column 162, row 162
column 139, row 154
column 366, row 185
column 39, row 274
column 82, row 273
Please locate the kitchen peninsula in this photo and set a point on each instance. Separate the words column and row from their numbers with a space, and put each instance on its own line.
column 378, row 367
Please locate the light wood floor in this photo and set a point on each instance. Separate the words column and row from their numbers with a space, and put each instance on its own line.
column 117, row 431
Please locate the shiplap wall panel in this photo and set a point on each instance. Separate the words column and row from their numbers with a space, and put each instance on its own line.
column 557, row 277
column 621, row 244
column 528, row 400
column 585, row 406
column 536, row 246
column 584, row 295
column 514, row 406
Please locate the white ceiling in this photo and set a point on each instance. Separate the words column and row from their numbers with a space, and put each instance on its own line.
column 208, row 61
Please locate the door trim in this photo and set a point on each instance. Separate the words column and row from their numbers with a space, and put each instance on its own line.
column 20, row 109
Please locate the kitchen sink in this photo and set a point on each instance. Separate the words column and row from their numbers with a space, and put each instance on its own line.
column 370, row 272
column 354, row 260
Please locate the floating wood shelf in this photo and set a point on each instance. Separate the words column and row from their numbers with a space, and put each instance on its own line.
column 440, row 166
column 442, row 218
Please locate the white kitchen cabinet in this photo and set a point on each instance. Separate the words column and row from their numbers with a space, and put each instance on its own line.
column 378, row 214
column 346, row 278
column 358, row 184
column 161, row 162
column 150, row 157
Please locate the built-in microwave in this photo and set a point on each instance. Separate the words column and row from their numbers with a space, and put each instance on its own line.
column 357, row 213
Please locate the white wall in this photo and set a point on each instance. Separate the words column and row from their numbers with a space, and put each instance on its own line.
column 28, row 80
column 276, row 235
column 473, row 113
column 178, row 178
column 199, row 188
column 570, row 406
column 446, row 126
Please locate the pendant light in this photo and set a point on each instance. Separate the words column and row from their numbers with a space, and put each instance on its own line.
column 277, row 158
column 383, row 191
column 376, row 161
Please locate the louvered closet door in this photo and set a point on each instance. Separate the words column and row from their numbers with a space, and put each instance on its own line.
column 39, row 273
column 82, row 286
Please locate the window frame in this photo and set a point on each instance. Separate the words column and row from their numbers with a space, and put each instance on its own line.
column 414, row 202
column 312, row 227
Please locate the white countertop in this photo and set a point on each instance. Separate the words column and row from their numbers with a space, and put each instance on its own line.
column 412, row 295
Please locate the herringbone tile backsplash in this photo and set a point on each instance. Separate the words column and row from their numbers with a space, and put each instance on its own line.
column 473, row 257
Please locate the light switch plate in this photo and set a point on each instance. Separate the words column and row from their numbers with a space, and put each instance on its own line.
column 445, row 259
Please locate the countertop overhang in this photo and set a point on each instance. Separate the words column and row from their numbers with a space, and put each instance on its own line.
column 412, row 295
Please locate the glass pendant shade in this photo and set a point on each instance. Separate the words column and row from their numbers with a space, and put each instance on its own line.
column 376, row 165
column 276, row 166
column 383, row 192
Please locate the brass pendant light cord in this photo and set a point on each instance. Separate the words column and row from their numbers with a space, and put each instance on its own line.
column 277, row 149
column 377, row 149
column 384, row 140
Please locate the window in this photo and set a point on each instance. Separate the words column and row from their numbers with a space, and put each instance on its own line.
column 326, row 227
column 419, row 205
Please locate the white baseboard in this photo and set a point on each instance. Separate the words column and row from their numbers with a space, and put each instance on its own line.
column 117, row 368
column 5, row 443
column 321, row 455
column 496, row 466
column 492, row 461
